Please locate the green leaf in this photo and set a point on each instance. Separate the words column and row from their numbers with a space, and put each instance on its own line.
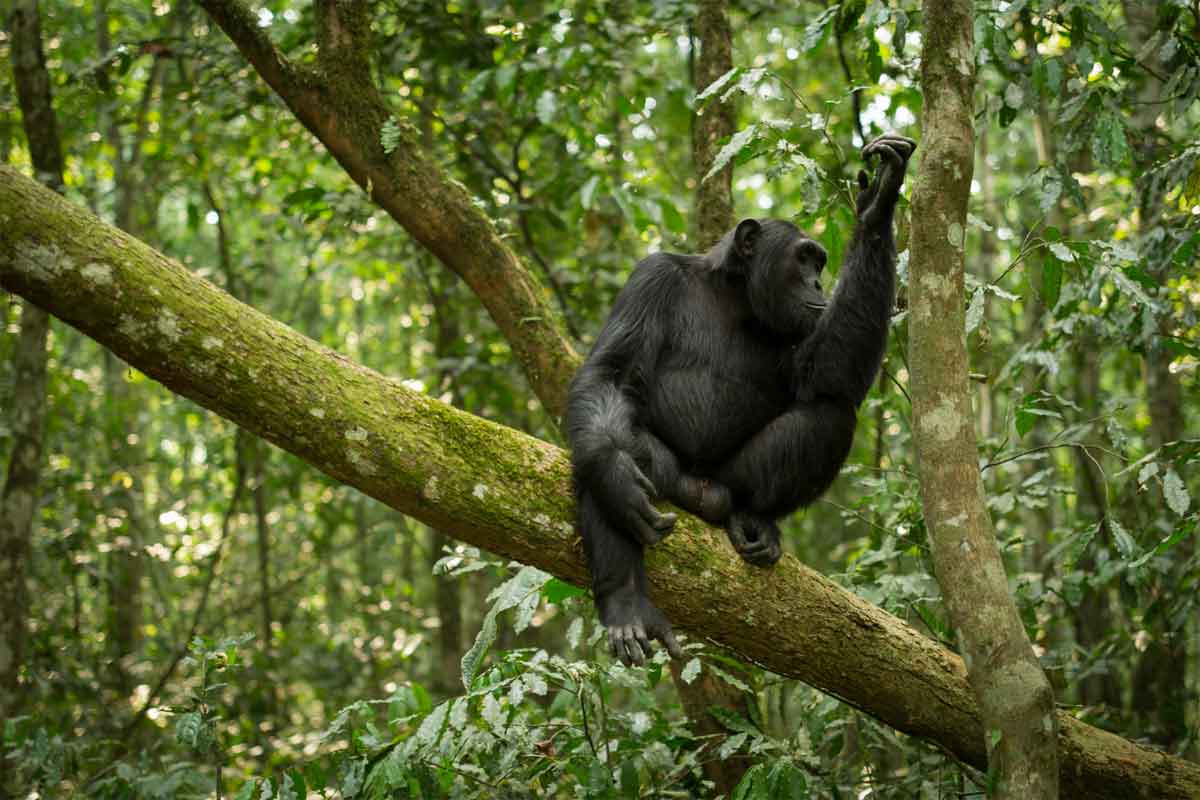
column 785, row 781
column 1175, row 493
column 1052, row 272
column 671, row 216
column 1126, row 544
column 732, row 720
column 474, row 656
column 288, row 790
column 753, row 785
column 690, row 671
column 717, row 85
column 247, row 791
column 1109, row 145
column 975, row 310
column 631, row 784
column 555, row 591
column 587, row 194
column 872, row 59
column 1049, row 190
column 1054, row 74
column 816, row 29
column 431, row 727
column 736, row 143
column 389, row 135
column 517, row 589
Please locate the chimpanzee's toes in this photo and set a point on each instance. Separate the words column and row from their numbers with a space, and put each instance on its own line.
column 633, row 623
column 755, row 539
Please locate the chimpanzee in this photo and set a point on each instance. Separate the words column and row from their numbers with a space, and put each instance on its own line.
column 726, row 384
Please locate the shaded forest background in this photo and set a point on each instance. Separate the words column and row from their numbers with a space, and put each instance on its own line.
column 206, row 611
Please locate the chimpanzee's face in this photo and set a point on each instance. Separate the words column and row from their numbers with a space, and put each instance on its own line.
column 784, row 279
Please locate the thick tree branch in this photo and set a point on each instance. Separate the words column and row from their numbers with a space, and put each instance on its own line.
column 339, row 103
column 502, row 490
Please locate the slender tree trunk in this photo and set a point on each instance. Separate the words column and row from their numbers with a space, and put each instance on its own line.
column 1093, row 618
column 19, row 497
column 123, row 621
column 447, row 591
column 262, row 530
column 1015, row 698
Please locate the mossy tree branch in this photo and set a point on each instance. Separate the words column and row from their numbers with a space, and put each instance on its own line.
column 502, row 490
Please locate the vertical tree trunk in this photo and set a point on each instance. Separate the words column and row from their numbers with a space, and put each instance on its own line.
column 263, row 543
column 19, row 499
column 1015, row 699
column 1093, row 615
column 447, row 591
column 712, row 213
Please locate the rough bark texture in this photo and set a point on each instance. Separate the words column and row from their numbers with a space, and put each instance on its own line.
column 339, row 103
column 1014, row 696
column 502, row 490
column 712, row 213
column 19, row 499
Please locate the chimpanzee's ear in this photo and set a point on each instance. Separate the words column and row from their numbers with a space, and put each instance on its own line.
column 745, row 238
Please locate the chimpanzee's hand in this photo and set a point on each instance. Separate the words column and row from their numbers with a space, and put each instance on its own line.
column 877, row 198
column 707, row 499
column 626, row 493
column 755, row 538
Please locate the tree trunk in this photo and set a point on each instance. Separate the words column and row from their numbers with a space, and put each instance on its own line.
column 19, row 497
column 502, row 490
column 1014, row 696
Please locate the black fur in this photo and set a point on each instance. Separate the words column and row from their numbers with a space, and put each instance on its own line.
column 725, row 384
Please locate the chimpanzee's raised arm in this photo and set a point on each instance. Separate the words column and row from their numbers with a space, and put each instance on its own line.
column 841, row 358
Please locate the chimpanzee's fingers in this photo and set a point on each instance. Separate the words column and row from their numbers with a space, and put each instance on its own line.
column 737, row 534
column 669, row 642
column 904, row 145
column 643, row 640
column 631, row 644
column 655, row 518
column 886, row 152
column 647, row 524
column 643, row 531
column 645, row 483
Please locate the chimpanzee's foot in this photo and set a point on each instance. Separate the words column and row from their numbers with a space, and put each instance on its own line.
column 755, row 538
column 633, row 622
column 709, row 500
